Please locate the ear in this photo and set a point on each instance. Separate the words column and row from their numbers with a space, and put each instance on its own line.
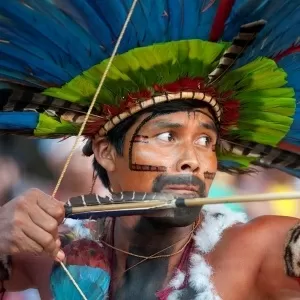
column 105, row 153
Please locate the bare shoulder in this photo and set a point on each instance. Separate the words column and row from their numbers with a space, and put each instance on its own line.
column 272, row 231
column 259, row 237
column 272, row 222
column 264, row 228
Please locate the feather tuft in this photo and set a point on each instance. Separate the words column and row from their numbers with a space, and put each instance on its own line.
column 87, row 263
column 240, row 43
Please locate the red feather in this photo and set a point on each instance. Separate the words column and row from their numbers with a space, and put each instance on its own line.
column 86, row 252
column 291, row 50
column 222, row 15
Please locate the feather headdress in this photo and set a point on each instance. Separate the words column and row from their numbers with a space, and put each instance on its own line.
column 241, row 57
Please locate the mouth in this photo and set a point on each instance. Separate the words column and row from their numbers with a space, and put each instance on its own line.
column 190, row 191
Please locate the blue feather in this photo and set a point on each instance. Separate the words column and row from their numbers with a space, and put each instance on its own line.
column 175, row 21
column 190, row 16
column 245, row 11
column 191, row 19
column 20, row 78
column 38, row 68
column 94, row 283
column 114, row 14
column 85, row 15
column 157, row 21
column 54, row 31
column 76, row 36
column 61, row 39
column 199, row 17
column 18, row 120
column 291, row 65
column 293, row 136
column 21, row 47
column 295, row 173
column 227, row 164
column 279, row 33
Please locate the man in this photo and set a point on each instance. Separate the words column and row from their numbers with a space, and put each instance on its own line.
column 180, row 116
column 185, row 140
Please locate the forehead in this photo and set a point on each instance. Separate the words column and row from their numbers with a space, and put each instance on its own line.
column 182, row 118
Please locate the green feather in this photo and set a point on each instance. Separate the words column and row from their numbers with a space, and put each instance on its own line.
column 278, row 106
column 265, row 102
column 48, row 126
column 140, row 69
column 243, row 161
column 261, row 74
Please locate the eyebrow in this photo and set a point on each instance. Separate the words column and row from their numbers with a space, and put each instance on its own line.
column 209, row 126
column 166, row 124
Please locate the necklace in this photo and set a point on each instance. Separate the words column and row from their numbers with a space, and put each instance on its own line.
column 156, row 255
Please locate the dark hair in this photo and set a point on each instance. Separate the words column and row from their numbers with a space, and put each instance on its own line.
column 116, row 136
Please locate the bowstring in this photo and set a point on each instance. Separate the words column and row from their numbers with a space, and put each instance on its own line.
column 99, row 88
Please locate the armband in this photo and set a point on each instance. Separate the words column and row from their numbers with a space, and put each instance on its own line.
column 5, row 267
column 292, row 252
column 5, row 272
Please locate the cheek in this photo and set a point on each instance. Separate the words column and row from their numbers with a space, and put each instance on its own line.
column 128, row 180
column 209, row 168
column 150, row 155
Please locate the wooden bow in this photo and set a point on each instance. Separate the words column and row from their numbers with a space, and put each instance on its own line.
column 85, row 122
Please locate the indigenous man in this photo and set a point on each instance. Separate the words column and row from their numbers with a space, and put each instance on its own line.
column 167, row 118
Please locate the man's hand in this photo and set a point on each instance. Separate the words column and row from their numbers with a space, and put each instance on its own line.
column 29, row 223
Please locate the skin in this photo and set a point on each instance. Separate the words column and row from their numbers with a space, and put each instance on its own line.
column 251, row 253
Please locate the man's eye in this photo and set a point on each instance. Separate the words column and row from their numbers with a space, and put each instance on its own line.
column 166, row 136
column 204, row 141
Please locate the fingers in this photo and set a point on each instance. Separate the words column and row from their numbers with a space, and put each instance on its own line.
column 28, row 245
column 40, row 218
column 60, row 256
column 19, row 242
column 51, row 206
column 29, row 223
column 41, row 237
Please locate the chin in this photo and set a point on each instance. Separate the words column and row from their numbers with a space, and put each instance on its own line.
column 178, row 217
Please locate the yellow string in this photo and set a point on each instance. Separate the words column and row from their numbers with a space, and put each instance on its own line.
column 95, row 97
column 73, row 280
column 67, row 163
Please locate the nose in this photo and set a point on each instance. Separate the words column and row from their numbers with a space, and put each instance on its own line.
column 188, row 162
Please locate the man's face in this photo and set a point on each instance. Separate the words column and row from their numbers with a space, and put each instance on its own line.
column 173, row 153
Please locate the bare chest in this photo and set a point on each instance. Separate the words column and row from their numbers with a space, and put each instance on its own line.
column 207, row 277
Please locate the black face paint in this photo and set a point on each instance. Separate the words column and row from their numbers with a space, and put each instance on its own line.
column 209, row 175
column 144, row 280
column 136, row 138
column 179, row 217
column 140, row 139
column 147, row 168
column 183, row 180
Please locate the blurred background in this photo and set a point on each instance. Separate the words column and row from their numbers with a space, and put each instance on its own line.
column 27, row 163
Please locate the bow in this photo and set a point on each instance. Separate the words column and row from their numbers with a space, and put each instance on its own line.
column 84, row 124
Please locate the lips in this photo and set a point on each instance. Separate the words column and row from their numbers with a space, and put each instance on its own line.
column 189, row 190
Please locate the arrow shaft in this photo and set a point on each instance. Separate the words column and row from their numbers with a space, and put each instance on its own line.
column 88, row 207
